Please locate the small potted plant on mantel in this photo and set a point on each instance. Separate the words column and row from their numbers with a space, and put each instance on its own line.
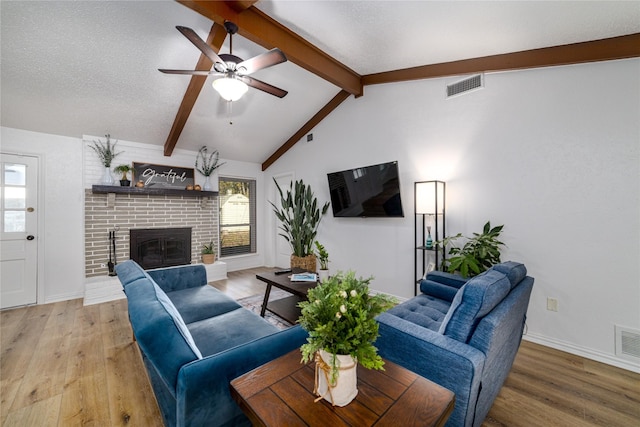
column 124, row 170
column 339, row 315
column 208, row 253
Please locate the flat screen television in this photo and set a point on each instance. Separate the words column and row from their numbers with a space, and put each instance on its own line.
column 370, row 191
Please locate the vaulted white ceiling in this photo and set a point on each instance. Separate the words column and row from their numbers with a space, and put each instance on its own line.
column 90, row 67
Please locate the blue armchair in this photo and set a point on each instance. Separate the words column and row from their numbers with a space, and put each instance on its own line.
column 461, row 334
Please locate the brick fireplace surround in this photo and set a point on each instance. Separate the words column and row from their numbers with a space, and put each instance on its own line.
column 104, row 212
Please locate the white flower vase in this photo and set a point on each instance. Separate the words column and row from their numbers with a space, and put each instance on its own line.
column 107, row 178
column 207, row 183
column 346, row 387
column 323, row 275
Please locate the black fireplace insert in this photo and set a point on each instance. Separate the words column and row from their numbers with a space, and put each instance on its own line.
column 160, row 247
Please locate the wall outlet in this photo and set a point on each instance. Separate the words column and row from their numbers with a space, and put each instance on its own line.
column 103, row 265
column 552, row 304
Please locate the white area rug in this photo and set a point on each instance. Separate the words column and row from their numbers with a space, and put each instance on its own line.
column 254, row 303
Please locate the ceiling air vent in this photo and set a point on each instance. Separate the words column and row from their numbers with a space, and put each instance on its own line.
column 466, row 85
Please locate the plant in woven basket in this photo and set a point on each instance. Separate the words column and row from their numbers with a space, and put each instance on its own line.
column 339, row 315
column 299, row 216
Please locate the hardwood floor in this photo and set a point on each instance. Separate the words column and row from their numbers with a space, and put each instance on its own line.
column 63, row 364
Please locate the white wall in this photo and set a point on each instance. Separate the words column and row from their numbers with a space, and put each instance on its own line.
column 61, row 230
column 553, row 154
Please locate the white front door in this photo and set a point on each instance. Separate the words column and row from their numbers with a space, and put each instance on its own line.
column 18, row 230
column 283, row 249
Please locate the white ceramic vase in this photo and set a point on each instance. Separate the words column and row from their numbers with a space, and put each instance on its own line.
column 346, row 387
column 323, row 275
column 107, row 178
column 207, row 183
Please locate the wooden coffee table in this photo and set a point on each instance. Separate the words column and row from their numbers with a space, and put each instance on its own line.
column 280, row 393
column 286, row 308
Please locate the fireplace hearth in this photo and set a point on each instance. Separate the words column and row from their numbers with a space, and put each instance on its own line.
column 160, row 247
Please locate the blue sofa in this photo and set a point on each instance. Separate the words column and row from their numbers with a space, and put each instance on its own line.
column 194, row 340
column 461, row 334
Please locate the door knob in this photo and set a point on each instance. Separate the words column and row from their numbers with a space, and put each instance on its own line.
column 30, row 237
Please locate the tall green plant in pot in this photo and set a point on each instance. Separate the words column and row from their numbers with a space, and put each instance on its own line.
column 299, row 215
column 478, row 254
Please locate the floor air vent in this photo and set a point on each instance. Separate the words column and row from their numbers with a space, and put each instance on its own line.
column 627, row 343
column 466, row 85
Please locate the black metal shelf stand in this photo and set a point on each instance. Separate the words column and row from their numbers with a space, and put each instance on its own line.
column 429, row 209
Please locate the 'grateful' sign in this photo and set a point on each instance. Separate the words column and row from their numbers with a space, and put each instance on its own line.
column 161, row 176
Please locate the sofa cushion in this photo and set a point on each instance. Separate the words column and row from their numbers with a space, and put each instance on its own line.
column 229, row 330
column 177, row 319
column 514, row 271
column 179, row 277
column 423, row 310
column 472, row 302
column 201, row 302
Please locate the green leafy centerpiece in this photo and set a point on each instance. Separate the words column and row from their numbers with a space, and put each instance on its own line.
column 340, row 318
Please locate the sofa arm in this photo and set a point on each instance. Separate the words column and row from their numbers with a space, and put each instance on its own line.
column 448, row 279
column 203, row 395
column 443, row 360
column 180, row 277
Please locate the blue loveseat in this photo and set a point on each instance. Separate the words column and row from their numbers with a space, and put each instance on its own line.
column 461, row 334
column 194, row 340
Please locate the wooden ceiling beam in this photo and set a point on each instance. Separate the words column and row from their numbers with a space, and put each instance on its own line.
column 317, row 118
column 240, row 5
column 215, row 39
column 258, row 27
column 592, row 51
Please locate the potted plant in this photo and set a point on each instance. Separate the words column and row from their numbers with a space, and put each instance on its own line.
column 340, row 318
column 124, row 170
column 323, row 258
column 106, row 152
column 299, row 216
column 478, row 254
column 207, row 163
column 208, row 253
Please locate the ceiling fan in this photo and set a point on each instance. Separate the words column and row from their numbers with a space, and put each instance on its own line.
column 234, row 71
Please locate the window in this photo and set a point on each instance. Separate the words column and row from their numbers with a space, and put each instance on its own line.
column 237, row 199
column 14, row 197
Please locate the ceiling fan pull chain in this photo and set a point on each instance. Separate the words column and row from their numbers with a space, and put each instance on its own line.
column 229, row 111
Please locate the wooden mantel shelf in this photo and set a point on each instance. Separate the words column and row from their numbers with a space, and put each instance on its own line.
column 106, row 189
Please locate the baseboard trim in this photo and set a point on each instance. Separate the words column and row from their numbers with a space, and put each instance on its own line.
column 583, row 352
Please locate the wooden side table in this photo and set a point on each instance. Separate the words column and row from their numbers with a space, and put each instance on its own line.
column 280, row 393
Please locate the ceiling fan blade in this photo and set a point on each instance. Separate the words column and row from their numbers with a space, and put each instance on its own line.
column 189, row 72
column 265, row 60
column 218, row 63
column 265, row 87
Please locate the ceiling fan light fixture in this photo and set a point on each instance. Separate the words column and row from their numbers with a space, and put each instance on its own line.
column 229, row 88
